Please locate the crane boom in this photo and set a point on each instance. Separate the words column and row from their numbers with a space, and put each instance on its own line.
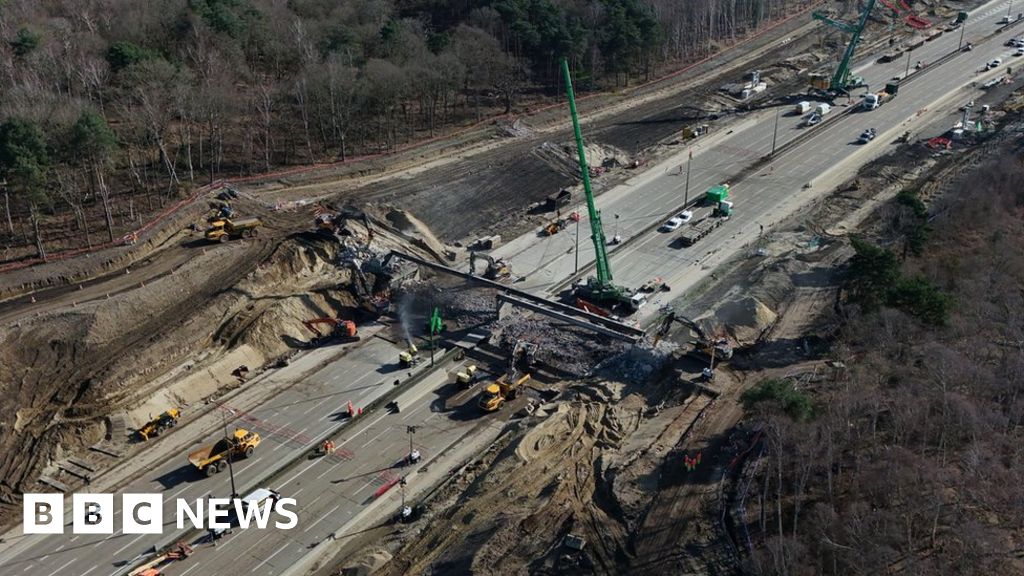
column 604, row 271
column 841, row 78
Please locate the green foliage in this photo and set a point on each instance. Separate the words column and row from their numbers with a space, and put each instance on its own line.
column 122, row 54
column 873, row 273
column 917, row 232
column 796, row 404
column 92, row 138
column 542, row 30
column 874, row 280
column 26, row 41
column 231, row 17
column 909, row 199
column 921, row 299
column 438, row 42
column 24, row 158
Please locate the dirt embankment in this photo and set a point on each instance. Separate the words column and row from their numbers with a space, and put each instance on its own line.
column 171, row 341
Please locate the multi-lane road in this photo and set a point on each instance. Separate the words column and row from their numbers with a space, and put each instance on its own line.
column 328, row 490
column 334, row 490
column 773, row 192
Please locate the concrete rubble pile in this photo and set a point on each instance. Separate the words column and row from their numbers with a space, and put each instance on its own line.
column 636, row 364
column 565, row 347
column 461, row 305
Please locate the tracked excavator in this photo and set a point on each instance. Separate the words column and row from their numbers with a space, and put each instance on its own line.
column 342, row 331
column 713, row 348
column 496, row 268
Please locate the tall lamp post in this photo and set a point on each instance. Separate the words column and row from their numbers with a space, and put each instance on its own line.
column 231, row 452
column 686, row 191
column 775, row 132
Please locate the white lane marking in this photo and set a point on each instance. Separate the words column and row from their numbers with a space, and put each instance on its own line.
column 328, row 513
column 300, row 472
column 136, row 539
column 379, row 434
column 293, row 437
column 255, row 544
column 178, row 492
column 345, row 405
column 279, row 550
column 61, row 547
column 367, row 427
column 246, row 467
column 329, row 470
column 296, row 493
column 89, row 570
column 59, row 570
column 189, row 570
column 75, row 538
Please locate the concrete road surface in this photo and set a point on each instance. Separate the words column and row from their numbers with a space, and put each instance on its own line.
column 289, row 423
column 774, row 192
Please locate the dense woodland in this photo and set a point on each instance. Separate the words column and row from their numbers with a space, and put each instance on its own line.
column 910, row 460
column 112, row 108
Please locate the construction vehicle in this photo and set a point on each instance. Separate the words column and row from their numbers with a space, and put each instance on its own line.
column 212, row 459
column 224, row 229
column 556, row 226
column 495, row 395
column 552, row 202
column 410, row 357
column 158, row 425
column 843, row 80
column 655, row 285
column 464, row 378
column 690, row 132
column 873, row 101
column 178, row 551
column 342, row 331
column 497, row 269
column 598, row 289
column 699, row 229
column 716, row 194
column 714, row 348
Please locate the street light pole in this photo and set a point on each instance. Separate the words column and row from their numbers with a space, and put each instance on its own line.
column 963, row 28
column 231, row 452
column 686, row 192
column 907, row 71
column 410, row 430
column 775, row 132
column 577, row 251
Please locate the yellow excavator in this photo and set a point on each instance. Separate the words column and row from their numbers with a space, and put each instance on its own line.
column 496, row 268
column 156, row 426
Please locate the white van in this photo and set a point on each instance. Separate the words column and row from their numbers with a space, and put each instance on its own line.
column 255, row 498
column 822, row 109
column 803, row 107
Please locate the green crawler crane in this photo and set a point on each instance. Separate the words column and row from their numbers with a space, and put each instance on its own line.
column 600, row 289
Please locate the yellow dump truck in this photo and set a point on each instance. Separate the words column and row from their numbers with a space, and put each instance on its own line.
column 157, row 425
column 213, row 459
column 495, row 395
column 224, row 229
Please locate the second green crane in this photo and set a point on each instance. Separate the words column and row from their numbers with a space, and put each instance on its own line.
column 599, row 289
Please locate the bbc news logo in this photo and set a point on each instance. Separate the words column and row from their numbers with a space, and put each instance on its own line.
column 144, row 513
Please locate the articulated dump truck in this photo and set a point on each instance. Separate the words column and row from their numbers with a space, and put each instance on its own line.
column 212, row 459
